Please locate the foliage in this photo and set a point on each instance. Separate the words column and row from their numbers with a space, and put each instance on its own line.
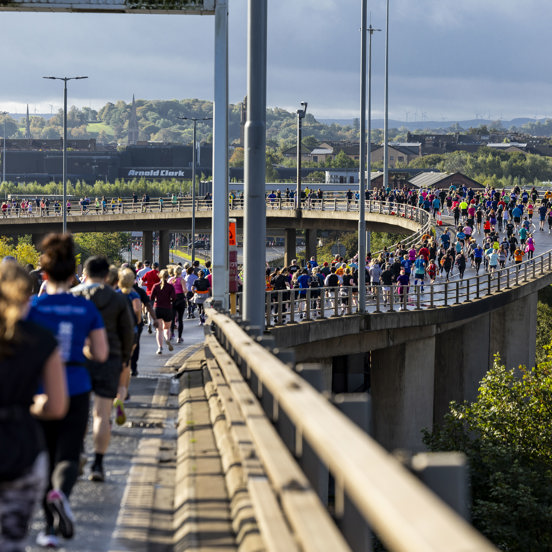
column 22, row 249
column 507, row 436
column 379, row 240
column 109, row 244
column 544, row 330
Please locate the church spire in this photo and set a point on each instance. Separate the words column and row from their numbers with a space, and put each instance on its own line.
column 133, row 130
column 28, row 126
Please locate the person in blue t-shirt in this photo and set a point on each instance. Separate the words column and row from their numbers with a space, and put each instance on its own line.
column 79, row 329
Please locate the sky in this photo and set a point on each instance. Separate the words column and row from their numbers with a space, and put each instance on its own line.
column 449, row 60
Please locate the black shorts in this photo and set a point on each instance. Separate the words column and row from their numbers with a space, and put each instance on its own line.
column 105, row 376
column 164, row 314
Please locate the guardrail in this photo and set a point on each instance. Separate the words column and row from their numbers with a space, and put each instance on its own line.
column 373, row 491
column 295, row 305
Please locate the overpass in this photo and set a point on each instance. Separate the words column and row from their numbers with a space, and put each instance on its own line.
column 163, row 216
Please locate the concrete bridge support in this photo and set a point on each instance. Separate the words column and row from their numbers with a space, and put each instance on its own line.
column 513, row 331
column 310, row 244
column 402, row 390
column 164, row 247
column 462, row 358
column 147, row 246
column 290, row 246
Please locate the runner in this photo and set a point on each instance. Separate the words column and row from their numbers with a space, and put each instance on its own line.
column 29, row 354
column 76, row 322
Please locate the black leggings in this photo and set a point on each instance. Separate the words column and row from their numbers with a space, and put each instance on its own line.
column 64, row 444
column 179, row 307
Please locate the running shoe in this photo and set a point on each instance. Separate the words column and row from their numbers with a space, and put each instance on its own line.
column 82, row 462
column 59, row 507
column 120, row 416
column 97, row 474
column 169, row 345
column 149, row 329
column 179, row 340
column 47, row 540
column 160, row 351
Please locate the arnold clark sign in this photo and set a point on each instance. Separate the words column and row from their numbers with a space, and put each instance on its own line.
column 201, row 7
column 156, row 173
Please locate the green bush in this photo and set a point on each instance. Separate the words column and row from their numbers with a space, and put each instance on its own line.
column 507, row 436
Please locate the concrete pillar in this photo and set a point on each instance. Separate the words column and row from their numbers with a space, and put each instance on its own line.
column 310, row 244
column 164, row 245
column 462, row 358
column 290, row 247
column 36, row 239
column 402, row 388
column 349, row 373
column 147, row 246
column 513, row 330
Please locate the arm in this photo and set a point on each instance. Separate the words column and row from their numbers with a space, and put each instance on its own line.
column 53, row 403
column 97, row 348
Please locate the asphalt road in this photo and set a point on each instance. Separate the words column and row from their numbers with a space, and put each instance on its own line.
column 97, row 506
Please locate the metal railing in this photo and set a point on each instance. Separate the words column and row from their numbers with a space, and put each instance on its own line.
column 295, row 305
column 373, row 491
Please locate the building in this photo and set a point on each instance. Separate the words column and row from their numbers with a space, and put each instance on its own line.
column 443, row 181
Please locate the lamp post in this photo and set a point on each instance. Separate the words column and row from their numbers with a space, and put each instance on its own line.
column 64, row 168
column 195, row 120
column 300, row 116
column 4, row 113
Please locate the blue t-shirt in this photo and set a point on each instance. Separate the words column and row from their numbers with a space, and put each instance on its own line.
column 71, row 319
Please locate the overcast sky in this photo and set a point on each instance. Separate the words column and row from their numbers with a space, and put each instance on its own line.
column 448, row 59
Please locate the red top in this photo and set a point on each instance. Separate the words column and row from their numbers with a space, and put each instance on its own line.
column 149, row 279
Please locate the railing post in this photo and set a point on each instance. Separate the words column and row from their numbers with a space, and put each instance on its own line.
column 268, row 304
column 336, row 301
column 489, row 282
column 418, row 296
column 446, row 294
column 431, row 295
column 525, row 272
column 457, row 291
column 468, row 289
column 508, row 278
column 542, row 265
column 378, row 291
column 292, row 305
column 308, row 309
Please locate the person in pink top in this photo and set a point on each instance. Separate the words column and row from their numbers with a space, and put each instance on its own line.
column 179, row 305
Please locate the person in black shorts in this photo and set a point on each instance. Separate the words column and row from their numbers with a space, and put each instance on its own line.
column 115, row 311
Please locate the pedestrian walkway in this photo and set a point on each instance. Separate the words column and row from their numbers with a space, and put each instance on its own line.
column 132, row 509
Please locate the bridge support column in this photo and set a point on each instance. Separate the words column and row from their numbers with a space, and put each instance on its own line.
column 513, row 331
column 164, row 246
column 290, row 246
column 310, row 244
column 36, row 239
column 462, row 355
column 402, row 388
column 147, row 246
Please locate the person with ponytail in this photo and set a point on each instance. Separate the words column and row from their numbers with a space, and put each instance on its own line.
column 163, row 297
column 80, row 332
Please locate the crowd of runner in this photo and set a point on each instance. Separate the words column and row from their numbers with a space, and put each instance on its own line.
column 491, row 228
column 64, row 340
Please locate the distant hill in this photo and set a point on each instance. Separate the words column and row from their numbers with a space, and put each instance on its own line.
column 435, row 125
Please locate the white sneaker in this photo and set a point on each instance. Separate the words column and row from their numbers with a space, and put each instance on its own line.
column 47, row 540
column 179, row 340
column 160, row 351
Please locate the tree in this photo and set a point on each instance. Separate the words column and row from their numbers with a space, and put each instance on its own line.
column 506, row 434
column 109, row 244
column 237, row 158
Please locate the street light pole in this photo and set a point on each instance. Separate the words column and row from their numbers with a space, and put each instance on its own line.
column 195, row 120
column 64, row 168
column 300, row 116
column 4, row 149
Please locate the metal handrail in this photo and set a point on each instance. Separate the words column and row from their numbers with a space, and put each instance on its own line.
column 390, row 500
